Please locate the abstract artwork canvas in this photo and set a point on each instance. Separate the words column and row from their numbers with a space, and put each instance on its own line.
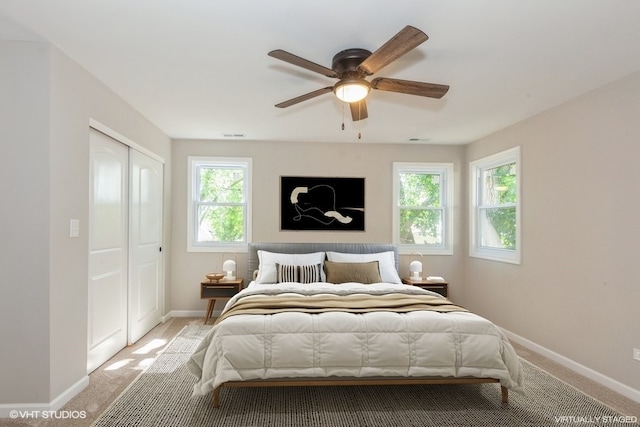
column 317, row 203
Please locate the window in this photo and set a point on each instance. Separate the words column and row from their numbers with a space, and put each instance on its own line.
column 219, row 207
column 422, row 213
column 495, row 207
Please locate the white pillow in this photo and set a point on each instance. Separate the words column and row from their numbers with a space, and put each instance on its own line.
column 267, row 272
column 386, row 261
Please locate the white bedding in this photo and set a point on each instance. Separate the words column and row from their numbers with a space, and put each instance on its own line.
column 375, row 344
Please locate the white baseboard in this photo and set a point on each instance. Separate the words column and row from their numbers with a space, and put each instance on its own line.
column 602, row 379
column 190, row 313
column 30, row 410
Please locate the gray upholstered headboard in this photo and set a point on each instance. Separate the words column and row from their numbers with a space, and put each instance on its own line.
column 305, row 248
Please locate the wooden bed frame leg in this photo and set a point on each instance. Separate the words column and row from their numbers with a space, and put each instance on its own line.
column 505, row 394
column 216, row 397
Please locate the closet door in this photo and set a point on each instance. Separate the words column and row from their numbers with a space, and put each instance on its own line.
column 145, row 250
column 108, row 248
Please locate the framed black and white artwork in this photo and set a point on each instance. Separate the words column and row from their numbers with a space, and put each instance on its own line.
column 318, row 203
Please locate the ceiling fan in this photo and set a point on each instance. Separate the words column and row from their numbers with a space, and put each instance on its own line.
column 351, row 66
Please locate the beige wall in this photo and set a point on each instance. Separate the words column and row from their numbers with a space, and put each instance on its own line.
column 577, row 291
column 274, row 159
column 24, row 241
column 45, row 130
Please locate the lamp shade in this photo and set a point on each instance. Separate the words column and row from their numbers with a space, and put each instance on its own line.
column 229, row 266
column 415, row 267
column 351, row 90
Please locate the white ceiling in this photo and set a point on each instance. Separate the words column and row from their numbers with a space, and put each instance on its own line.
column 199, row 68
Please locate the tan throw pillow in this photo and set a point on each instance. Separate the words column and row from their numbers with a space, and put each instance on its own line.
column 360, row 272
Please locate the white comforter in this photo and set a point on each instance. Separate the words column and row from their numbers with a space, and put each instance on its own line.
column 382, row 343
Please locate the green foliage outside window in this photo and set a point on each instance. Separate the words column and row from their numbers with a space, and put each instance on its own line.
column 220, row 204
column 421, row 211
column 500, row 191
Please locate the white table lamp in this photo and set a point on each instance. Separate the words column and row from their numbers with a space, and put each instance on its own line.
column 229, row 267
column 415, row 268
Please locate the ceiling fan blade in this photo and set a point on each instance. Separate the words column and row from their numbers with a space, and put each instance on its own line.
column 359, row 110
column 430, row 90
column 301, row 62
column 407, row 39
column 304, row 97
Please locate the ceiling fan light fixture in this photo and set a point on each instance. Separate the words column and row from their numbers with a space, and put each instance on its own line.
column 352, row 90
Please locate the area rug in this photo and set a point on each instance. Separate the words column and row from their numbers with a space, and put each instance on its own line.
column 161, row 396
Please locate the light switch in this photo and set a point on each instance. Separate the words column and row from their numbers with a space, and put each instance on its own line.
column 74, row 228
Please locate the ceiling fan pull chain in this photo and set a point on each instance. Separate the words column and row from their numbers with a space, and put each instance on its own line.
column 343, row 116
column 359, row 121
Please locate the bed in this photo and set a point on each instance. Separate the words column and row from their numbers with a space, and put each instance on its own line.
column 318, row 314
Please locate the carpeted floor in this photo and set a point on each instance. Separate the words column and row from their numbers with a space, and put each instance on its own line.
column 161, row 396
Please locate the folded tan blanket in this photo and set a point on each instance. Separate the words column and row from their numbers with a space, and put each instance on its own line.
column 354, row 303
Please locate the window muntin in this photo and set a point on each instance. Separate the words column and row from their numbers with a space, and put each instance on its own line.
column 219, row 209
column 496, row 207
column 422, row 215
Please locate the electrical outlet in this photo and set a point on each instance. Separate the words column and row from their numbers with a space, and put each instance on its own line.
column 636, row 354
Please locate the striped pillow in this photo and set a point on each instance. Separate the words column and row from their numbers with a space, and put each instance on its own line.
column 286, row 273
column 310, row 273
column 298, row 273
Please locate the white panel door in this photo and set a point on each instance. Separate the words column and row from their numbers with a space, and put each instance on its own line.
column 108, row 249
column 145, row 250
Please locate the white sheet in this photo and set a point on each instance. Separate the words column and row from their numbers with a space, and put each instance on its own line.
column 298, row 345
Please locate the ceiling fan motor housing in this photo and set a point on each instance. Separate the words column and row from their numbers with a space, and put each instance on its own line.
column 347, row 61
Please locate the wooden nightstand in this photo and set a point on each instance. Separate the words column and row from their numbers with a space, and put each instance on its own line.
column 221, row 289
column 439, row 287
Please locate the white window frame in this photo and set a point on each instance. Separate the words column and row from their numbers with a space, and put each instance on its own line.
column 476, row 168
column 445, row 170
column 193, row 163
